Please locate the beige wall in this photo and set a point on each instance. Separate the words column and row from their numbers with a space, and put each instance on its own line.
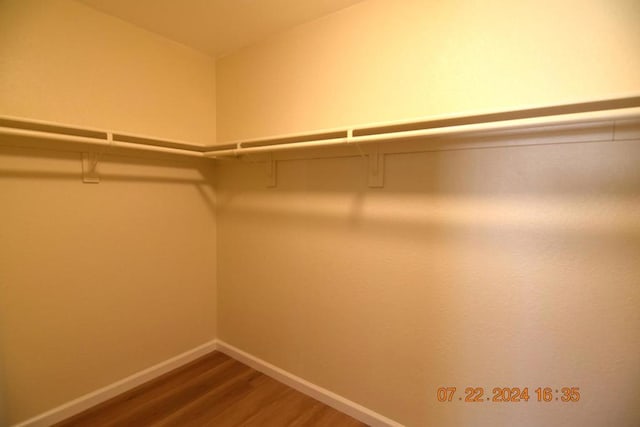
column 505, row 267
column 497, row 267
column 98, row 282
column 491, row 267
column 63, row 61
column 385, row 60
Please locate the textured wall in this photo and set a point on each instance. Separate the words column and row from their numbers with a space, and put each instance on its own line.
column 393, row 60
column 63, row 61
column 497, row 267
column 89, row 272
column 99, row 281
column 503, row 267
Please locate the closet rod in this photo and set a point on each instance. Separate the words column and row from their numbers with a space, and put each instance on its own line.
column 483, row 123
column 36, row 129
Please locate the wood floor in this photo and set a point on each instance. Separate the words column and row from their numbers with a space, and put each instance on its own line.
column 214, row 390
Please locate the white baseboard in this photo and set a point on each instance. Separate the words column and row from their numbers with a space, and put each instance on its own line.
column 103, row 394
column 325, row 396
column 85, row 402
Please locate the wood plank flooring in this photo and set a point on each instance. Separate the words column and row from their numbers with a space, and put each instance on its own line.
column 214, row 390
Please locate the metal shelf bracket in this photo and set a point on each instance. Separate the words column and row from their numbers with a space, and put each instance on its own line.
column 272, row 172
column 376, row 167
column 90, row 168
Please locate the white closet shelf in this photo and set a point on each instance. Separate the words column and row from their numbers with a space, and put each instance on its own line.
column 484, row 123
column 51, row 131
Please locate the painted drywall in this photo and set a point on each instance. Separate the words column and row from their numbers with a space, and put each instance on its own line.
column 63, row 61
column 217, row 27
column 99, row 281
column 502, row 267
column 383, row 60
column 379, row 295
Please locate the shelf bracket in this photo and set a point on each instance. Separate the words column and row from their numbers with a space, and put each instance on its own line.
column 272, row 172
column 90, row 168
column 376, row 167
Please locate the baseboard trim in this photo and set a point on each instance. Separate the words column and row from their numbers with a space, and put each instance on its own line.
column 103, row 394
column 325, row 396
column 85, row 402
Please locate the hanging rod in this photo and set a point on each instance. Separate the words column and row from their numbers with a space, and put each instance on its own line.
column 500, row 121
column 609, row 109
column 21, row 127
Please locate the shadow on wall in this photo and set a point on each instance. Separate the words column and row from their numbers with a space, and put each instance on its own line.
column 584, row 188
column 132, row 257
column 4, row 417
column 462, row 259
column 115, row 166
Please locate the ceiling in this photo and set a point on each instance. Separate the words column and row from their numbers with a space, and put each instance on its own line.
column 217, row 27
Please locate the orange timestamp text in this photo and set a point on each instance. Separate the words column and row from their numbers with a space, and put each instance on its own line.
column 509, row 394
